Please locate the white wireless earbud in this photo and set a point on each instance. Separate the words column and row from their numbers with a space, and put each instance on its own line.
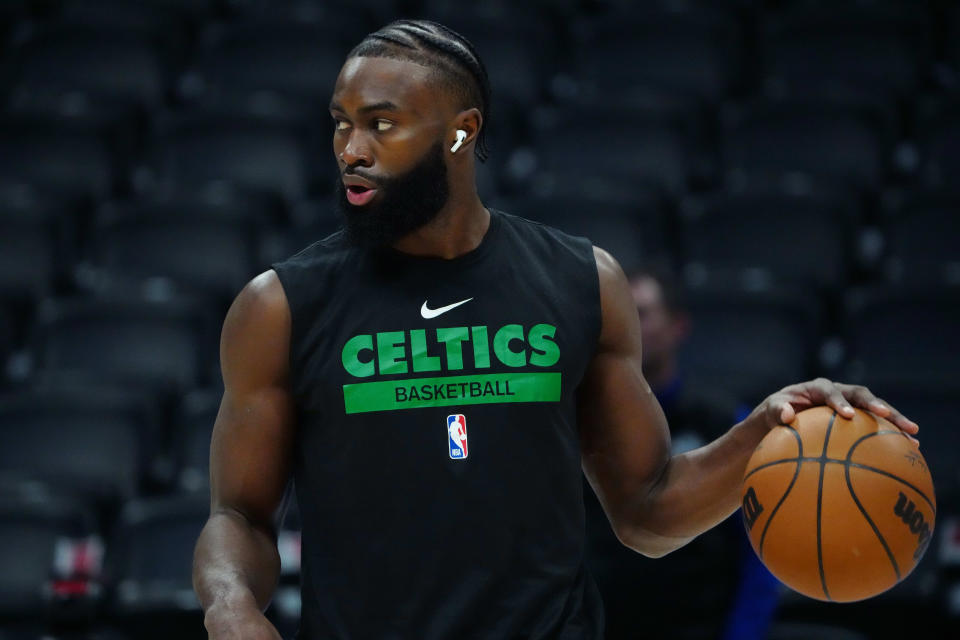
column 461, row 136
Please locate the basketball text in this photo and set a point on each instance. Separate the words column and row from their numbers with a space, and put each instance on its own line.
column 751, row 507
column 907, row 511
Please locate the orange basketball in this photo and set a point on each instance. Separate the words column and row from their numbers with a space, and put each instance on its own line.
column 838, row 509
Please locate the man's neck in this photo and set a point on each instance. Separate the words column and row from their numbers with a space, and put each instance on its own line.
column 457, row 229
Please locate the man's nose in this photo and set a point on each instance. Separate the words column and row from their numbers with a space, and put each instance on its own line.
column 356, row 153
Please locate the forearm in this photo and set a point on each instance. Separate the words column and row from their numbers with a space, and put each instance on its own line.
column 235, row 564
column 696, row 491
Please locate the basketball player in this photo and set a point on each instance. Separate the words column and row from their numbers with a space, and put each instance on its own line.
column 345, row 365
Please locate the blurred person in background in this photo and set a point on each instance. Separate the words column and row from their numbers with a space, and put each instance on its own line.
column 734, row 596
column 434, row 378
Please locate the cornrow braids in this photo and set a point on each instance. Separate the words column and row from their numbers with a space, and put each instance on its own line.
column 431, row 44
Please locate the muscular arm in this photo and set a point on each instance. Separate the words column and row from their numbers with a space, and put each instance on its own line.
column 236, row 564
column 657, row 503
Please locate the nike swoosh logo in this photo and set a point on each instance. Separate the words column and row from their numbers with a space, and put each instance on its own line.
column 428, row 313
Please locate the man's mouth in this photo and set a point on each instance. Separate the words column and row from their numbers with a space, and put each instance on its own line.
column 359, row 195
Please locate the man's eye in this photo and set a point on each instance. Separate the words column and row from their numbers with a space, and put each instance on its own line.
column 383, row 125
column 340, row 125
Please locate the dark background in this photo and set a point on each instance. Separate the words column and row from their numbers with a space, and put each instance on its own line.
column 798, row 163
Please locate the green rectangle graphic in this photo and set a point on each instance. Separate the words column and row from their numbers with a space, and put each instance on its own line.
column 449, row 391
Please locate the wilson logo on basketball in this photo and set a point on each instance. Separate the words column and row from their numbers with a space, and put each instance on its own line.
column 907, row 511
column 751, row 507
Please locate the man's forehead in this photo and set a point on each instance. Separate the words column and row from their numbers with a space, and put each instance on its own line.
column 376, row 80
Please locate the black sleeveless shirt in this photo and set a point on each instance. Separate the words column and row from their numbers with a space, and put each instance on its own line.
column 437, row 462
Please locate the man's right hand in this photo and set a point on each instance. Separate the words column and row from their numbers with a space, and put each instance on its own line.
column 231, row 623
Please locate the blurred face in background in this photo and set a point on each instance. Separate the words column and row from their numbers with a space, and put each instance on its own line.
column 662, row 329
column 390, row 120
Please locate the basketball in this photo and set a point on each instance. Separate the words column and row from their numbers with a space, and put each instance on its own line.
column 838, row 509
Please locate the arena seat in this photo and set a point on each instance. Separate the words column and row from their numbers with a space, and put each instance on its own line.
column 818, row 140
column 631, row 150
column 165, row 25
column 7, row 335
column 934, row 411
column 881, row 46
column 681, row 46
column 750, row 343
column 939, row 140
column 900, row 338
column 193, row 427
column 357, row 16
column 195, row 247
column 952, row 41
column 93, row 441
column 313, row 220
column 920, row 235
column 99, row 62
column 297, row 60
column 149, row 567
column 54, row 160
column 199, row 151
column 49, row 548
column 12, row 12
column 803, row 239
column 632, row 228
column 30, row 250
column 162, row 345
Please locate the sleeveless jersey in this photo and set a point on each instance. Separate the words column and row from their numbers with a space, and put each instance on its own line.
column 437, row 461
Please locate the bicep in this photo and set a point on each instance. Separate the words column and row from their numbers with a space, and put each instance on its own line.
column 625, row 441
column 253, row 433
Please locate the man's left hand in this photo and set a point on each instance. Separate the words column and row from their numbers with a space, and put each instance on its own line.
column 782, row 407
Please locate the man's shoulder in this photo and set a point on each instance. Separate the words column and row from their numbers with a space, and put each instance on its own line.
column 329, row 250
column 544, row 234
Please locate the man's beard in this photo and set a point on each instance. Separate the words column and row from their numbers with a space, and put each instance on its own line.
column 403, row 203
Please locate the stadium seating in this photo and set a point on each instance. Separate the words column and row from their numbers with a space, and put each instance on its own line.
column 191, row 245
column 750, row 343
column 932, row 409
column 90, row 441
column 7, row 335
column 192, row 430
column 58, row 161
column 312, row 220
column 148, row 567
column 921, row 241
column 796, row 159
column 165, row 25
column 903, row 339
column 881, row 46
column 31, row 243
column 630, row 228
column 615, row 146
column 198, row 151
column 819, row 140
column 801, row 238
column 161, row 345
column 93, row 61
column 51, row 553
column 681, row 46
column 938, row 143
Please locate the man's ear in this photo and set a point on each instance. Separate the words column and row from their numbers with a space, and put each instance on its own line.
column 469, row 121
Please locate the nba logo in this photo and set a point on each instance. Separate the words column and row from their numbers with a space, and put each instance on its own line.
column 457, row 436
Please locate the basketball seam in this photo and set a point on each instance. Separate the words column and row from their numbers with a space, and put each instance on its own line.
column 770, row 464
column 860, row 465
column 823, row 467
column 886, row 547
column 786, row 492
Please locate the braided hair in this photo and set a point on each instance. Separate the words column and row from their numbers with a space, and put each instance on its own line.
column 431, row 44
